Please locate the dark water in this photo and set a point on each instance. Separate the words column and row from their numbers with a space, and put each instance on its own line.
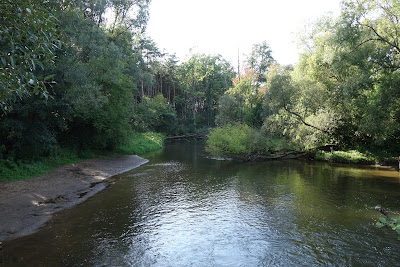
column 183, row 209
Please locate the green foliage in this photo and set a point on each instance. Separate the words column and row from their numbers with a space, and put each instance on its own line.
column 293, row 108
column 141, row 143
column 28, row 41
column 228, row 110
column 242, row 102
column 354, row 59
column 30, row 129
column 394, row 224
column 155, row 114
column 234, row 141
column 12, row 170
column 94, row 84
column 260, row 59
column 242, row 142
column 203, row 79
column 351, row 156
column 136, row 143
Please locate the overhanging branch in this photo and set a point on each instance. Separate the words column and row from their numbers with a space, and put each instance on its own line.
column 303, row 121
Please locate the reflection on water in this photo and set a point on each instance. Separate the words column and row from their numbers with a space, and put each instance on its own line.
column 184, row 209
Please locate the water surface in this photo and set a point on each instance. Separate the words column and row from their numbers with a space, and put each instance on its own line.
column 185, row 209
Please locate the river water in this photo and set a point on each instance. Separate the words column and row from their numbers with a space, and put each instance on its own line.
column 185, row 209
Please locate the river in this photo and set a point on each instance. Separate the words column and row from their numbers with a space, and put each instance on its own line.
column 186, row 209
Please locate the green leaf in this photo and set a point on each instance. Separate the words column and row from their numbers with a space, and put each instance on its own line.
column 3, row 60
column 398, row 231
column 12, row 61
column 380, row 225
column 383, row 220
column 36, row 89
column 40, row 64
column 48, row 77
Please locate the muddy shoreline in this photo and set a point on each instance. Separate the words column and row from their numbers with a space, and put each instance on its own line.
column 27, row 205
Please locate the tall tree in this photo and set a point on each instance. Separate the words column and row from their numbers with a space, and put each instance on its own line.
column 260, row 59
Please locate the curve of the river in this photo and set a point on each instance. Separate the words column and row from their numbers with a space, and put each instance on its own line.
column 185, row 209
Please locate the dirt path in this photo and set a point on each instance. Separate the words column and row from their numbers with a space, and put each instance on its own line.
column 26, row 205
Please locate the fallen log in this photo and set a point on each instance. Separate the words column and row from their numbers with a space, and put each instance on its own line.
column 198, row 135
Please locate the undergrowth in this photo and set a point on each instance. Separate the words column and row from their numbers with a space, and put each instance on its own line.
column 351, row 156
column 13, row 170
column 141, row 143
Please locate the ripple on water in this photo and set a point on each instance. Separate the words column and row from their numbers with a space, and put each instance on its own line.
column 187, row 210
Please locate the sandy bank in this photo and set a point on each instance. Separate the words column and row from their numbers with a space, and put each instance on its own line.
column 26, row 205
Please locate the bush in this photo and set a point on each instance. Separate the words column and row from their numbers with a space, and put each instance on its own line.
column 232, row 140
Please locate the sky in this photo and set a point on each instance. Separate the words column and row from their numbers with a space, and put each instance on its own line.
column 227, row 26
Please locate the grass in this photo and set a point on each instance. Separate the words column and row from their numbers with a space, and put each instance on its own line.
column 139, row 143
column 11, row 170
column 351, row 156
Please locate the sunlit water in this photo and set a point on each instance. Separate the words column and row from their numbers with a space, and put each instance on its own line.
column 185, row 209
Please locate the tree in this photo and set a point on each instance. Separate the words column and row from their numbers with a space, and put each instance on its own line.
column 130, row 14
column 204, row 79
column 355, row 59
column 248, row 97
column 29, row 39
column 260, row 59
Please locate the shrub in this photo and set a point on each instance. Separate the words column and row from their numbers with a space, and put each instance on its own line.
column 232, row 140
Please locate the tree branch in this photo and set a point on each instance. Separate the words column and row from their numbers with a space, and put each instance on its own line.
column 364, row 42
column 380, row 38
column 304, row 122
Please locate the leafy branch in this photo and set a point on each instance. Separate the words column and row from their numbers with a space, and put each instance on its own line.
column 388, row 221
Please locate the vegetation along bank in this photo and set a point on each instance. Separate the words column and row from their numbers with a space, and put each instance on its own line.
column 74, row 86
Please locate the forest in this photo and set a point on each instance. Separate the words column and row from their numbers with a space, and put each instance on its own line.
column 81, row 77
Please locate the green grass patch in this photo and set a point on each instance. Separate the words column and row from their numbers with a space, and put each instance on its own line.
column 141, row 143
column 138, row 143
column 11, row 170
column 351, row 156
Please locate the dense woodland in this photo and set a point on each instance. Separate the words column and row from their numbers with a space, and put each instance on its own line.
column 73, row 78
column 343, row 91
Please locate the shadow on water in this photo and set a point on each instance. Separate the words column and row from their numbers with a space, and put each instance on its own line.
column 183, row 208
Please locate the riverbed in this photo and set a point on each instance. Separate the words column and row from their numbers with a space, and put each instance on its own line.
column 184, row 208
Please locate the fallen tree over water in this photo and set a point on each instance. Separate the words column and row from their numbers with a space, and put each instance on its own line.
column 193, row 136
column 284, row 154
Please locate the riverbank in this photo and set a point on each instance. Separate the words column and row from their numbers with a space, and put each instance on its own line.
column 136, row 144
column 28, row 204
